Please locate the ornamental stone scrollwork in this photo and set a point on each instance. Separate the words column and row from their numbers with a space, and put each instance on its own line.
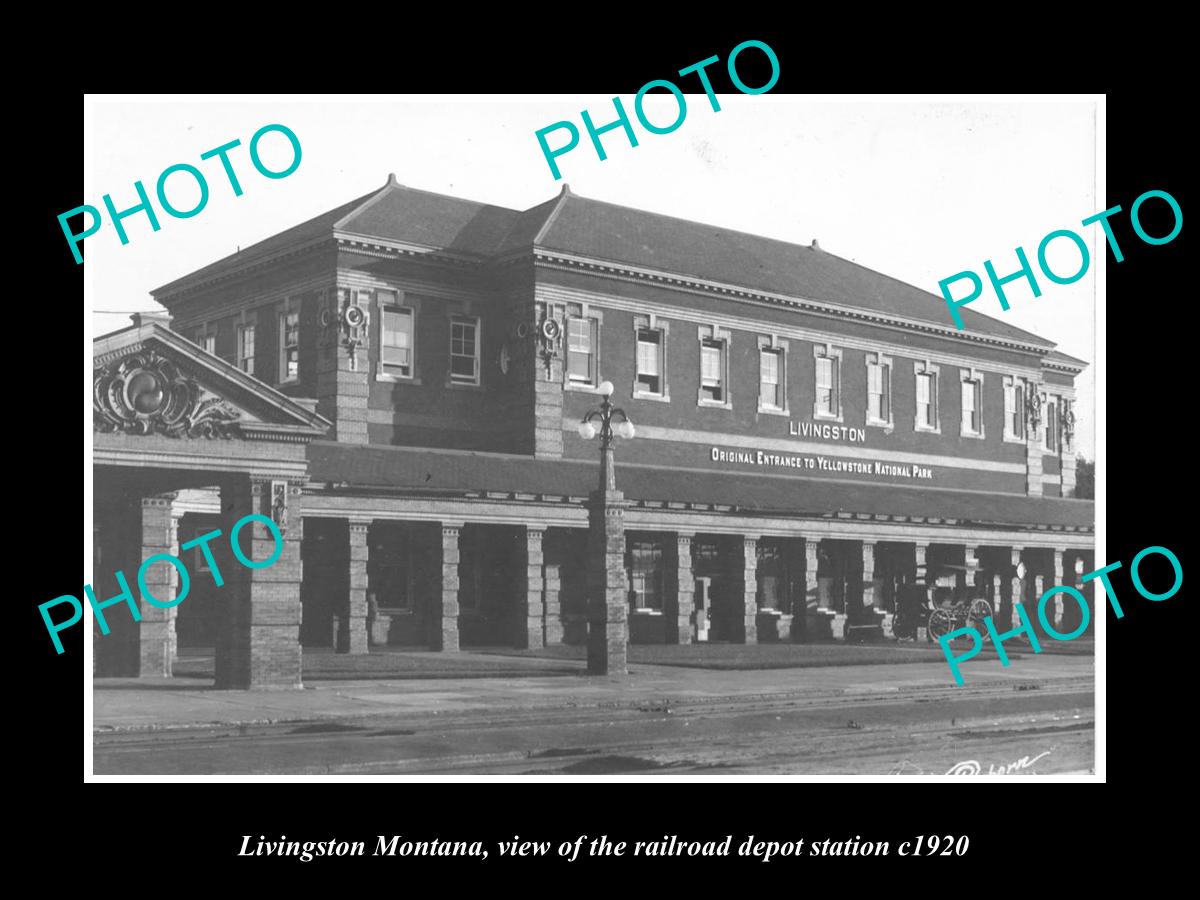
column 146, row 393
column 549, row 337
column 1033, row 409
column 1068, row 424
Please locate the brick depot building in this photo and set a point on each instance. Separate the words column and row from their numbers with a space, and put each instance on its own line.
column 398, row 384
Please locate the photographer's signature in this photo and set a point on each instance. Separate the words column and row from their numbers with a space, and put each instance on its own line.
column 970, row 767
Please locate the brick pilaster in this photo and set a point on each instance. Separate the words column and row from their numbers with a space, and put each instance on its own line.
column 342, row 380
column 1068, row 473
column 547, row 377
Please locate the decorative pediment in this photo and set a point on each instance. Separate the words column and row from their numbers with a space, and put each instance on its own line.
column 146, row 393
column 149, row 380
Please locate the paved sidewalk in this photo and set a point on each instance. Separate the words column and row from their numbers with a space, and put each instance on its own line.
column 143, row 704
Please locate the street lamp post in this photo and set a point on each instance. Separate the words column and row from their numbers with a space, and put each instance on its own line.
column 607, row 602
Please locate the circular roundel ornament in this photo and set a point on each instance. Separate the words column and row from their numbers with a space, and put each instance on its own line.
column 504, row 359
column 144, row 392
column 550, row 330
column 522, row 330
column 327, row 317
column 355, row 316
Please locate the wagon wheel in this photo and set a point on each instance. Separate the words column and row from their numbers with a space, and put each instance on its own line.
column 941, row 622
column 980, row 610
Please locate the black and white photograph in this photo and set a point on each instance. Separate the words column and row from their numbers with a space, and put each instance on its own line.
column 530, row 436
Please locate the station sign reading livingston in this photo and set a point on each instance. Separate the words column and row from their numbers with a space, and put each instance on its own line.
column 816, row 462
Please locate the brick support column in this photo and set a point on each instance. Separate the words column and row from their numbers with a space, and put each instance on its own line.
column 355, row 641
column 680, row 602
column 552, row 626
column 258, row 644
column 173, row 612
column 161, row 580
column 445, row 607
column 1009, row 617
column 921, row 576
column 748, row 630
column 1058, row 598
column 819, row 620
column 971, row 560
column 530, row 611
column 868, row 575
column 608, row 604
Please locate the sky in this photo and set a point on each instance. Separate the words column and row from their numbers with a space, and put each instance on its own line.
column 919, row 190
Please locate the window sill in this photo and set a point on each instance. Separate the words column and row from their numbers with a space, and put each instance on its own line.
column 827, row 417
column 581, row 387
column 651, row 613
column 928, row 429
column 397, row 611
column 468, row 385
column 880, row 423
column 975, row 435
column 294, row 380
column 657, row 398
column 396, row 379
column 773, row 411
column 715, row 404
column 1013, row 439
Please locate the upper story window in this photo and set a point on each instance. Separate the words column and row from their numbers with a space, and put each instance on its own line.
column 245, row 348
column 770, row 378
column 582, row 335
column 828, row 401
column 289, row 346
column 1014, row 408
column 879, row 389
column 396, row 332
column 1051, row 433
column 649, row 377
column 927, row 397
column 714, row 367
column 206, row 339
column 464, row 350
column 971, row 385
column 772, row 375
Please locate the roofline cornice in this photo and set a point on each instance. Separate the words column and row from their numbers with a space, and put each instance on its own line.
column 572, row 262
column 168, row 294
column 1061, row 366
column 374, row 246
